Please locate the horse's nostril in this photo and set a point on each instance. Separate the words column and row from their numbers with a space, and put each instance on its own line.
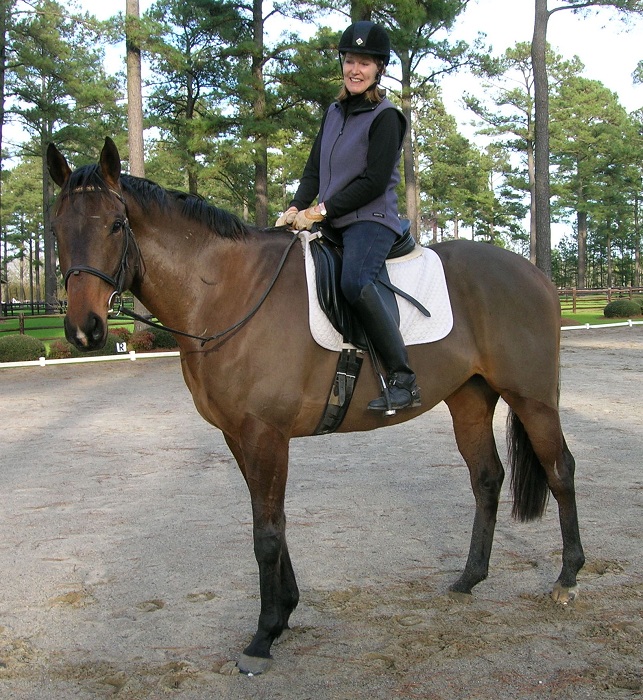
column 95, row 328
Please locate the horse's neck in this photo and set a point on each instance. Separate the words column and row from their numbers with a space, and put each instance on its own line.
column 186, row 269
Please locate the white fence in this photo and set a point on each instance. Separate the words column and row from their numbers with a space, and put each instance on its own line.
column 132, row 355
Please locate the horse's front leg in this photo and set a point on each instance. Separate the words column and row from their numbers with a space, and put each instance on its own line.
column 262, row 455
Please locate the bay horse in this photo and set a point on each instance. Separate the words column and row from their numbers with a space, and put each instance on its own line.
column 198, row 269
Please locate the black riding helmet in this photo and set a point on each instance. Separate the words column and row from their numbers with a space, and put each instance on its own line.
column 367, row 38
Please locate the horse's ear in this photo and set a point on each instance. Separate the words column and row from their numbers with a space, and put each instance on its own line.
column 110, row 162
column 57, row 165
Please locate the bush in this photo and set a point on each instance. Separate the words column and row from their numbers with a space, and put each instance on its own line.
column 21, row 348
column 622, row 308
column 61, row 350
column 163, row 339
column 123, row 333
column 141, row 341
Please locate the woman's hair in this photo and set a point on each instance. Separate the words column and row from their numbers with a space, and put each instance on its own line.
column 374, row 93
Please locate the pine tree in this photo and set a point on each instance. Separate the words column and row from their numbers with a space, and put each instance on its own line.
column 58, row 91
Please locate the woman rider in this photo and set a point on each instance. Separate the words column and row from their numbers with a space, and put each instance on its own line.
column 352, row 170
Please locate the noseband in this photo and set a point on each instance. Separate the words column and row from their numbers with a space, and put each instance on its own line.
column 117, row 280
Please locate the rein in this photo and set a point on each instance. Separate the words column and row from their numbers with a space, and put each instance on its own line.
column 117, row 281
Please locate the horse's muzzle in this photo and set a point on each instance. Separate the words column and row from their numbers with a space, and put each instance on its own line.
column 90, row 335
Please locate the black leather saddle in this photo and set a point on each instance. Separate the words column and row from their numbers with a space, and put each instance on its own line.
column 327, row 253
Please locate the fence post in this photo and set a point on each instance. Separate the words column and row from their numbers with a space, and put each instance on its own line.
column 609, row 295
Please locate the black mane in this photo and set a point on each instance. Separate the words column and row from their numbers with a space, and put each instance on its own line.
column 148, row 194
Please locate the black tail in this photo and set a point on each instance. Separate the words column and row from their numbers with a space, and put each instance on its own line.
column 528, row 479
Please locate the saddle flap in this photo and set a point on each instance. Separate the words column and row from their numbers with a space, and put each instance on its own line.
column 327, row 258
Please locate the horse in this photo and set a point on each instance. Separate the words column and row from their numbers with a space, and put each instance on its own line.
column 264, row 380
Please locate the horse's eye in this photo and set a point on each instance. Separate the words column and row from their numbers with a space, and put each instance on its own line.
column 117, row 226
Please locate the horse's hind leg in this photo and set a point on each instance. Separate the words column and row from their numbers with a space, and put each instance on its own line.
column 573, row 556
column 263, row 460
column 472, row 408
column 547, row 461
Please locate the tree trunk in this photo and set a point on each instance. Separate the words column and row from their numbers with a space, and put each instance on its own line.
column 541, row 151
column 361, row 10
column 193, row 175
column 37, row 263
column 4, row 11
column 134, row 113
column 410, row 180
column 531, row 173
column 637, row 243
column 134, row 93
column 261, row 141
column 581, row 217
column 610, row 281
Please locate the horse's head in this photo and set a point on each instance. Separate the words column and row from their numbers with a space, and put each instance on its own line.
column 97, row 252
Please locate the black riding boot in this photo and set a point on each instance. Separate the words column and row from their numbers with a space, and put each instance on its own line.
column 385, row 335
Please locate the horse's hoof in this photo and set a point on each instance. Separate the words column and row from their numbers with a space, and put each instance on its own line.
column 563, row 595
column 253, row 665
column 462, row 585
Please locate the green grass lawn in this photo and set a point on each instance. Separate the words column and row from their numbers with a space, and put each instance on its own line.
column 49, row 328
column 589, row 309
column 581, row 319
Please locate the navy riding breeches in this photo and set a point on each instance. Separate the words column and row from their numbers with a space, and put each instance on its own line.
column 366, row 245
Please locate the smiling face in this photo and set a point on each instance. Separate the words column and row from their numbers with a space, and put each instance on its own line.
column 360, row 72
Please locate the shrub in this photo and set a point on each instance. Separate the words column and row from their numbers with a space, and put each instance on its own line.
column 123, row 333
column 622, row 308
column 61, row 350
column 21, row 348
column 141, row 341
column 163, row 339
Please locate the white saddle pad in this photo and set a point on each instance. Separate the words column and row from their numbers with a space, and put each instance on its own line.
column 420, row 274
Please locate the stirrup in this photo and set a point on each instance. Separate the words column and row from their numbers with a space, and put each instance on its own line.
column 395, row 398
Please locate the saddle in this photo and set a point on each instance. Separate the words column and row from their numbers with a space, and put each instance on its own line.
column 327, row 253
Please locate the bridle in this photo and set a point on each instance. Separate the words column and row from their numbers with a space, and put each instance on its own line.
column 117, row 281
